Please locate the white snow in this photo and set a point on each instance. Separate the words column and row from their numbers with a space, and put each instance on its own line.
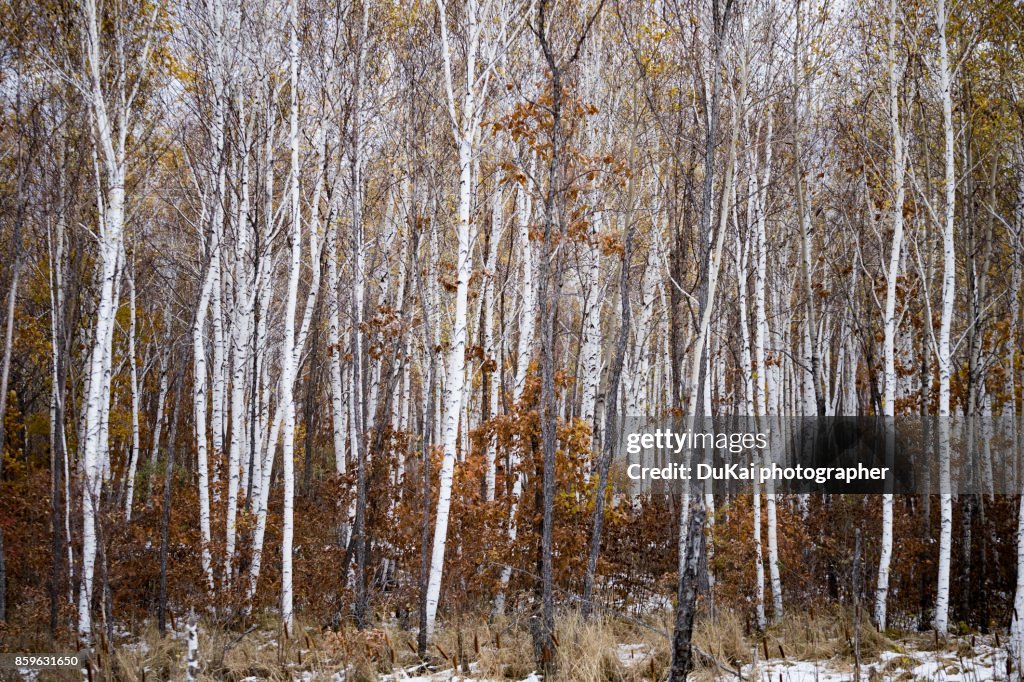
column 985, row 663
column 630, row 655
column 776, row 670
column 449, row 675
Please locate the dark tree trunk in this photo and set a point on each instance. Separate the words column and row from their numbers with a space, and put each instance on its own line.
column 426, row 427
column 550, row 280
column 691, row 556
column 359, row 525
column 57, row 510
column 689, row 585
column 165, row 516
column 12, row 295
column 5, row 369
column 550, row 285
column 308, row 411
column 106, row 594
column 3, row 579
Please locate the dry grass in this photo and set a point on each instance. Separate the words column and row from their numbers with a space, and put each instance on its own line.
column 810, row 635
column 149, row 657
column 600, row 650
column 826, row 634
column 503, row 649
column 724, row 638
column 587, row 650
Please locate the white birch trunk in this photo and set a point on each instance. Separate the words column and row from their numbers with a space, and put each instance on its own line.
column 490, row 353
column 889, row 344
column 217, row 370
column 108, row 373
column 267, row 440
column 134, row 375
column 158, row 420
column 590, row 351
column 215, row 18
column 240, row 336
column 637, row 386
column 455, row 378
column 199, row 413
column 465, row 130
column 288, row 359
column 263, row 497
column 765, row 384
column 528, row 311
column 338, row 411
column 110, row 144
column 747, row 369
column 192, row 644
column 941, row 618
column 702, row 342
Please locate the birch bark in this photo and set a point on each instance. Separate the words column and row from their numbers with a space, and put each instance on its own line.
column 338, row 407
column 945, row 76
column 497, row 232
column 747, row 368
column 109, row 132
column 465, row 121
column 134, row 376
column 199, row 390
column 288, row 359
column 892, row 278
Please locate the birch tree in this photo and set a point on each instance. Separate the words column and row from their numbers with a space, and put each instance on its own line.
column 598, row 226
column 465, row 114
column 711, row 242
column 111, row 109
column 944, row 75
column 288, row 360
column 894, row 71
column 135, row 451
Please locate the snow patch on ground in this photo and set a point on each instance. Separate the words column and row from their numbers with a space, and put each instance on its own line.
column 449, row 675
column 983, row 663
column 633, row 654
column 778, row 670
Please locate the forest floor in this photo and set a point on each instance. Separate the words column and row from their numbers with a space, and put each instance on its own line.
column 804, row 648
